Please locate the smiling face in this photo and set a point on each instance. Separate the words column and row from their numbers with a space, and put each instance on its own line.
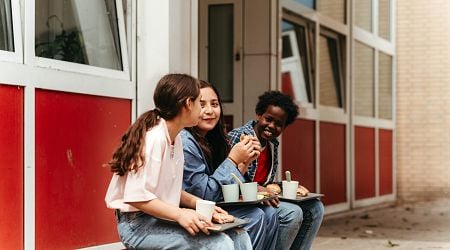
column 270, row 124
column 210, row 110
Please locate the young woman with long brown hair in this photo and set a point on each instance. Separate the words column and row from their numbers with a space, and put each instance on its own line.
column 148, row 172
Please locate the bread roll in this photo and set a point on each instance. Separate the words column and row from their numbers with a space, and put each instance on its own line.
column 274, row 188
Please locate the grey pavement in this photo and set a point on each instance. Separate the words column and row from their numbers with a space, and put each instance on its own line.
column 419, row 225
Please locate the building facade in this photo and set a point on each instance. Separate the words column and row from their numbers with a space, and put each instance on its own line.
column 75, row 74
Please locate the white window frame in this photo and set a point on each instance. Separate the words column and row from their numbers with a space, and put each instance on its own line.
column 294, row 66
column 17, row 54
column 32, row 59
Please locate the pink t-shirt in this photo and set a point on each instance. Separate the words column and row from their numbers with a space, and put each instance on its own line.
column 161, row 176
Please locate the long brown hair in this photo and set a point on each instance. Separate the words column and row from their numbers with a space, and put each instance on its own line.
column 170, row 96
column 215, row 144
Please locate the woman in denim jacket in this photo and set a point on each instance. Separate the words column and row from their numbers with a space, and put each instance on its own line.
column 209, row 163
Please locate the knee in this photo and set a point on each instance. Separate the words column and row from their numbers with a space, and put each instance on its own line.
column 294, row 215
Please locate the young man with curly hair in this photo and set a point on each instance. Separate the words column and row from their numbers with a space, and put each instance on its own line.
column 299, row 224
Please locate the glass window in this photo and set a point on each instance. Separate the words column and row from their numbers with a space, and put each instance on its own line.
column 220, row 49
column 6, row 27
column 296, row 63
column 83, row 32
column 308, row 3
column 331, row 71
column 363, row 14
column 333, row 8
column 385, row 86
column 364, row 80
column 384, row 22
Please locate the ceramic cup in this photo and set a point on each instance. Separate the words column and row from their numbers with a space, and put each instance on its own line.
column 290, row 189
column 230, row 192
column 205, row 208
column 249, row 191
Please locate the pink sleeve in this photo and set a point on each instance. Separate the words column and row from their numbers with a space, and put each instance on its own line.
column 142, row 184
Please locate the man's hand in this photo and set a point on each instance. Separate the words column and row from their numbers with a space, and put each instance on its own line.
column 272, row 202
column 302, row 191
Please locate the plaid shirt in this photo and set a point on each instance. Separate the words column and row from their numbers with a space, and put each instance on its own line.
column 247, row 129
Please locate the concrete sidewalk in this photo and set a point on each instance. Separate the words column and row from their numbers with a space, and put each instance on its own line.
column 421, row 225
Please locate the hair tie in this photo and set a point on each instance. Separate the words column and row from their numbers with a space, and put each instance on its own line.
column 157, row 111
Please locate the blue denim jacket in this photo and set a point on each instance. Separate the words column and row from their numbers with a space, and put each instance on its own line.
column 198, row 179
column 247, row 129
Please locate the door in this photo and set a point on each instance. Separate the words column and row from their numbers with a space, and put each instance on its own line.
column 220, row 53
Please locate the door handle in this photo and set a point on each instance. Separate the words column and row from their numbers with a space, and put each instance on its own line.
column 237, row 56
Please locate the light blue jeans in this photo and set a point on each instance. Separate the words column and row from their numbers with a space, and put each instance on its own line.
column 299, row 224
column 138, row 230
column 262, row 227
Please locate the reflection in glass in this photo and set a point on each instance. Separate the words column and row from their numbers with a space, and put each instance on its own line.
column 385, row 86
column 333, row 8
column 384, row 22
column 296, row 66
column 220, row 49
column 331, row 72
column 78, row 31
column 308, row 3
column 363, row 14
column 364, row 80
column 6, row 26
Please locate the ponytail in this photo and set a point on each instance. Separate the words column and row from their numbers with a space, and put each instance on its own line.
column 129, row 156
column 169, row 97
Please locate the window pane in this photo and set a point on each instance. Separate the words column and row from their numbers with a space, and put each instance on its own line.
column 384, row 22
column 363, row 14
column 364, row 80
column 78, row 31
column 296, row 66
column 220, row 49
column 332, row 8
column 331, row 73
column 308, row 3
column 385, row 86
column 6, row 27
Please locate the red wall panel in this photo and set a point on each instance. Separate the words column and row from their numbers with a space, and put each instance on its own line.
column 385, row 148
column 298, row 152
column 75, row 135
column 286, row 84
column 11, row 164
column 364, row 162
column 332, row 163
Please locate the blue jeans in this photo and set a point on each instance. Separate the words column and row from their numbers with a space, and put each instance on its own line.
column 299, row 224
column 312, row 219
column 262, row 227
column 138, row 230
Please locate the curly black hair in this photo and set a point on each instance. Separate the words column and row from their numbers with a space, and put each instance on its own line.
column 278, row 99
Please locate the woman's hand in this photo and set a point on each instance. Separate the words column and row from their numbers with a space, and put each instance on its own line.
column 244, row 152
column 221, row 216
column 192, row 222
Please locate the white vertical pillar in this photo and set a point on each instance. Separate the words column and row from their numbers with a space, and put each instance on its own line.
column 152, row 49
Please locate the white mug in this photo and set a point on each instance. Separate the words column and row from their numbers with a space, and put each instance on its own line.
column 249, row 191
column 230, row 192
column 290, row 189
column 205, row 208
